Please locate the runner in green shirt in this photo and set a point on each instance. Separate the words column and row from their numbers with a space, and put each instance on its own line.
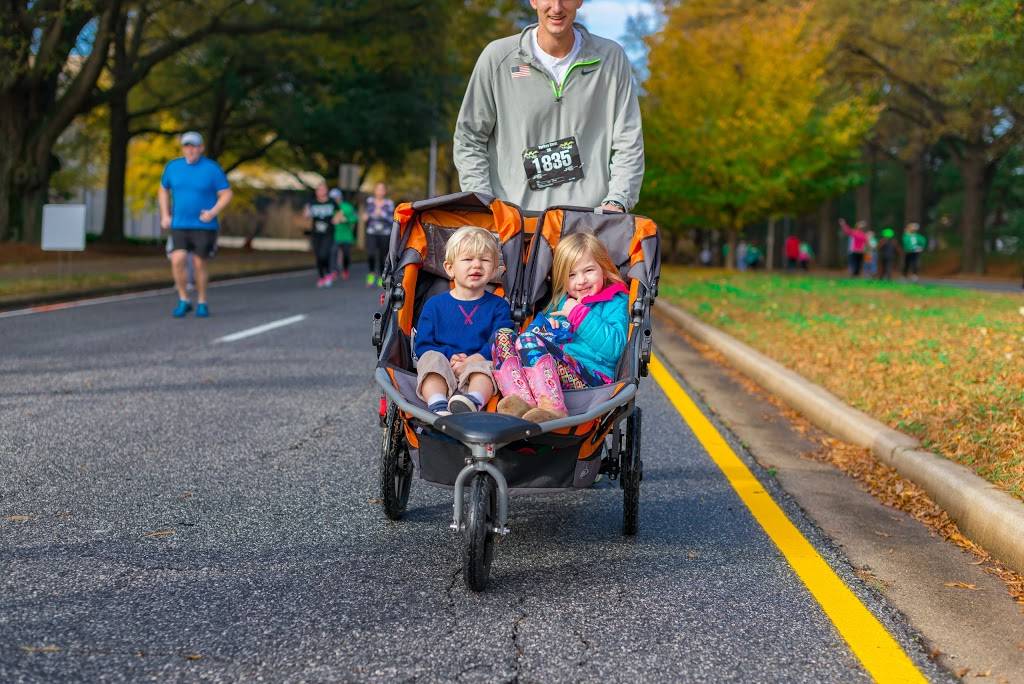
column 345, row 221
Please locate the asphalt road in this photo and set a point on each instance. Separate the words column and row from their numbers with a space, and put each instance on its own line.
column 206, row 510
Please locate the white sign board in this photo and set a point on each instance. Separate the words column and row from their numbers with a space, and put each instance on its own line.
column 64, row 227
column 348, row 177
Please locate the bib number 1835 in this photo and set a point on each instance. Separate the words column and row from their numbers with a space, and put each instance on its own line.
column 552, row 163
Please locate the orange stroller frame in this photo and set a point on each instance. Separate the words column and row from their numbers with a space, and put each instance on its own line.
column 484, row 457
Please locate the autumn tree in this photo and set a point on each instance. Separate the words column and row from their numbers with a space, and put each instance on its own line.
column 52, row 56
column 950, row 72
column 740, row 121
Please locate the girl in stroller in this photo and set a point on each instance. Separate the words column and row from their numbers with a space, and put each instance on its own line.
column 576, row 342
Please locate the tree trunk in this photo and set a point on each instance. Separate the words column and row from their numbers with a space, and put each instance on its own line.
column 769, row 252
column 826, row 235
column 733, row 262
column 864, row 190
column 977, row 179
column 913, row 202
column 24, row 173
column 113, row 211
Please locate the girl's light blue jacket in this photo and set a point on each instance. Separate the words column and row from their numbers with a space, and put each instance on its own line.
column 600, row 326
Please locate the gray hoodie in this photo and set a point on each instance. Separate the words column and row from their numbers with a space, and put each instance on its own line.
column 513, row 103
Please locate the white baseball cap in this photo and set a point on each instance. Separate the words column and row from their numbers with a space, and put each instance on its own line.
column 191, row 138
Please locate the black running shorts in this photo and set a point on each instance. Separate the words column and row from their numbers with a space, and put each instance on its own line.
column 202, row 243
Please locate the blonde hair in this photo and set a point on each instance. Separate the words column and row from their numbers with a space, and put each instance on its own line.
column 474, row 242
column 568, row 253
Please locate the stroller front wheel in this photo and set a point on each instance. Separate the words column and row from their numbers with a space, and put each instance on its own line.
column 478, row 532
column 396, row 467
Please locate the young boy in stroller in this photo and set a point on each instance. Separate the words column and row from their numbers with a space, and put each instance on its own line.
column 453, row 339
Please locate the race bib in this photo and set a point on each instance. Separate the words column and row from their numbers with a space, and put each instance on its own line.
column 552, row 163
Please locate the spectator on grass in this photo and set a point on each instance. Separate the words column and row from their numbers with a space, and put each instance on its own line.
column 871, row 254
column 741, row 255
column 887, row 254
column 705, row 256
column 806, row 254
column 792, row 250
column 857, row 243
column 913, row 244
column 753, row 256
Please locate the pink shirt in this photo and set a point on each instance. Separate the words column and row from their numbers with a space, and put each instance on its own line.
column 858, row 238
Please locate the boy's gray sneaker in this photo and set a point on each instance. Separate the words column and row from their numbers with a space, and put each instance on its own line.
column 462, row 403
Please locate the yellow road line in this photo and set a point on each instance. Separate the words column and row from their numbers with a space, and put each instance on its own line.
column 877, row 651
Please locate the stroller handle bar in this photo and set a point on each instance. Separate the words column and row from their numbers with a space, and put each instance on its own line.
column 625, row 396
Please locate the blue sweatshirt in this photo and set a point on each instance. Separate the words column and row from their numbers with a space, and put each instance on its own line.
column 453, row 326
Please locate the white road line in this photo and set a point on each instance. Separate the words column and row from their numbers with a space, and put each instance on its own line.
column 44, row 308
column 261, row 329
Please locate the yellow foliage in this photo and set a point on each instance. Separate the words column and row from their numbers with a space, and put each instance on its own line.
column 147, row 156
column 741, row 119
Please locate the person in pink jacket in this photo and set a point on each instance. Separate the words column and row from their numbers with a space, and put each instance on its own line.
column 858, row 243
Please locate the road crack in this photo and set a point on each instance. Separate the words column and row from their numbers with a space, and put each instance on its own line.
column 451, row 599
column 324, row 429
column 585, row 656
column 517, row 647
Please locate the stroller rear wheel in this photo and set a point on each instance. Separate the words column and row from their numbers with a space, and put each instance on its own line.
column 631, row 473
column 396, row 467
column 478, row 532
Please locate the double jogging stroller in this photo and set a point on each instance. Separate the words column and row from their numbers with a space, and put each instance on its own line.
column 486, row 456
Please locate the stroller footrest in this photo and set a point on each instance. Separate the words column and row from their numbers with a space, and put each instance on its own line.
column 486, row 428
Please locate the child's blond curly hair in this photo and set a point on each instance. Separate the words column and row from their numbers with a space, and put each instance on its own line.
column 474, row 242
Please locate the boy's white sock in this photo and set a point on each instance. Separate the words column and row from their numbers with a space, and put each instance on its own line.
column 477, row 397
column 434, row 398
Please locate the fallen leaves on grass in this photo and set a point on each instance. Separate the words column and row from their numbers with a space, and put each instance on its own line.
column 879, row 480
column 961, row 585
column 928, row 361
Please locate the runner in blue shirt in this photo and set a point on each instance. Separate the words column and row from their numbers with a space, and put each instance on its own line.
column 199, row 190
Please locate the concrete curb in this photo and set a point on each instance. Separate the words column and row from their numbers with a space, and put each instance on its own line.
column 985, row 514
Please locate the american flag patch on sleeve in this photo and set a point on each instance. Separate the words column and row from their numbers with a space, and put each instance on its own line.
column 520, row 71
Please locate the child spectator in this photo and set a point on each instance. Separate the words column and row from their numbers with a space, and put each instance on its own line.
column 806, row 254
